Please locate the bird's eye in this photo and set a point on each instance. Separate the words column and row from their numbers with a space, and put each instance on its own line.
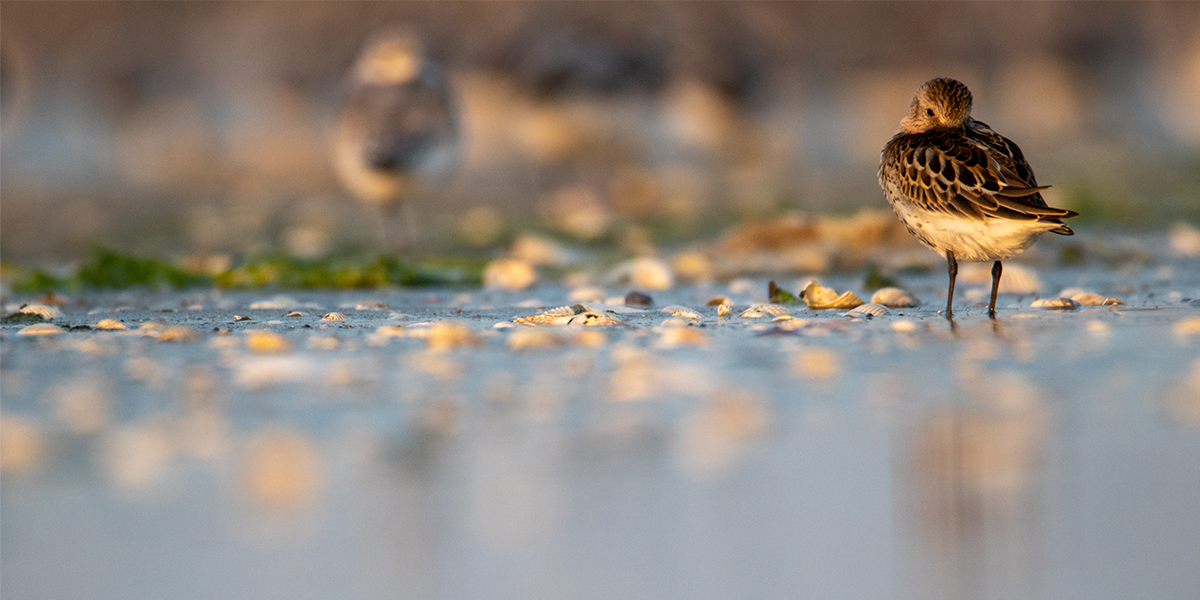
column 929, row 112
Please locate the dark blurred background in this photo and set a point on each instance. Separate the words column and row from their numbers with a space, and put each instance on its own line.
column 202, row 127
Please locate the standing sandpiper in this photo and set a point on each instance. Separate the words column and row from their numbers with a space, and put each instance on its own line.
column 962, row 189
column 396, row 135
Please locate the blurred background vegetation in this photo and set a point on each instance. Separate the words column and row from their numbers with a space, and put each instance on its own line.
column 202, row 127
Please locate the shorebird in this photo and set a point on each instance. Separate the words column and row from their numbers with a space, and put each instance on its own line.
column 396, row 136
column 965, row 191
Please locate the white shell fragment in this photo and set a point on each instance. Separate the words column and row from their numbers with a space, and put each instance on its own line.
column 724, row 310
column 1090, row 299
column 819, row 297
column 41, row 329
column 46, row 312
column 545, row 320
column 561, row 311
column 682, row 312
column 1055, row 304
column 334, row 317
column 892, row 297
column 761, row 311
column 295, row 313
column 110, row 324
column 869, row 310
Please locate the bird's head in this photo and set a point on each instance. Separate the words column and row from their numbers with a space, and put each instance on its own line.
column 939, row 102
column 393, row 57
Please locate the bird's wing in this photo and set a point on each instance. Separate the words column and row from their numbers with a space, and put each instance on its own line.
column 404, row 123
column 950, row 171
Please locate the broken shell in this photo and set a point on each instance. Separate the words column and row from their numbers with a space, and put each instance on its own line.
column 334, row 317
column 41, row 329
column 764, row 310
column 508, row 274
column 892, row 297
column 545, row 320
column 529, row 338
column 561, row 311
column 819, row 297
column 1090, row 299
column 869, row 310
column 110, row 324
column 724, row 310
column 682, row 312
column 46, row 312
column 594, row 319
column 1055, row 304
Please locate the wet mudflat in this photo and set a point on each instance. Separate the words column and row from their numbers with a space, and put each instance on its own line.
column 217, row 447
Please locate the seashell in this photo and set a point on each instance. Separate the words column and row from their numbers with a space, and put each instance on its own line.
column 638, row 299
column 892, row 297
column 334, row 317
column 1055, row 304
column 443, row 336
column 545, row 320
column 1183, row 328
column 790, row 323
column 503, row 325
column 646, row 273
column 178, row 333
column 240, row 318
column 1098, row 328
column 46, row 312
column 41, row 329
column 264, row 341
column 724, row 310
column 819, row 297
column 110, row 324
column 295, row 313
column 594, row 319
column 508, row 274
column 370, row 305
column 904, row 325
column 561, row 311
column 869, row 310
column 1090, row 299
column 719, row 301
column 681, row 336
column 765, row 310
column 677, row 322
column 608, row 308
column 529, row 338
column 682, row 312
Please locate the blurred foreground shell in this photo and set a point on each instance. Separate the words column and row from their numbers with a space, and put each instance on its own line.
column 178, row 333
column 46, row 312
column 110, row 324
column 1055, row 304
column 41, row 329
column 528, row 338
column 261, row 340
column 892, row 297
column 443, row 336
column 508, row 274
column 869, row 310
column 672, row 337
column 819, row 297
column 765, row 310
column 645, row 273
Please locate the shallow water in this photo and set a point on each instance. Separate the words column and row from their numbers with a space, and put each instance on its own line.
column 1043, row 455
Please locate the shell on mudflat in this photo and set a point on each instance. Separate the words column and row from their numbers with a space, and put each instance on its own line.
column 561, row 311
column 724, row 310
column 682, row 312
column 594, row 319
column 760, row 311
column 869, row 310
column 893, row 297
column 545, row 320
column 1091, row 299
column 819, row 297
column 46, row 312
column 1055, row 304
column 110, row 324
column 41, row 329
column 334, row 317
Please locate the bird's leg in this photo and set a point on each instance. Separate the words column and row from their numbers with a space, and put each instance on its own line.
column 383, row 222
column 996, row 270
column 409, row 232
column 953, row 271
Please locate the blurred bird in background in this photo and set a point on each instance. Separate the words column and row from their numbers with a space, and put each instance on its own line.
column 396, row 138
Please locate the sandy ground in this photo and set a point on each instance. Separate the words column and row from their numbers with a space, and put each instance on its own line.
column 417, row 450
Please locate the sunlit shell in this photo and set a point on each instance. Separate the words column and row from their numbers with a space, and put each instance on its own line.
column 594, row 319
column 869, row 310
column 590, row 338
column 761, row 311
column 46, row 312
column 1184, row 328
column 1090, row 299
column 443, row 336
column 295, row 313
column 646, row 273
column 561, row 311
column 682, row 336
column 817, row 363
column 264, row 341
column 724, row 310
column 334, row 317
column 894, row 298
column 240, row 318
column 904, row 325
column 693, row 266
column 530, row 338
column 41, row 329
column 819, row 297
column 545, row 320
column 508, row 274
column 1055, row 304
column 681, row 312
column 390, row 331
column 1184, row 239
column 110, row 324
column 178, row 333
column 719, row 301
column 280, row 470
column 503, row 325
column 677, row 322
